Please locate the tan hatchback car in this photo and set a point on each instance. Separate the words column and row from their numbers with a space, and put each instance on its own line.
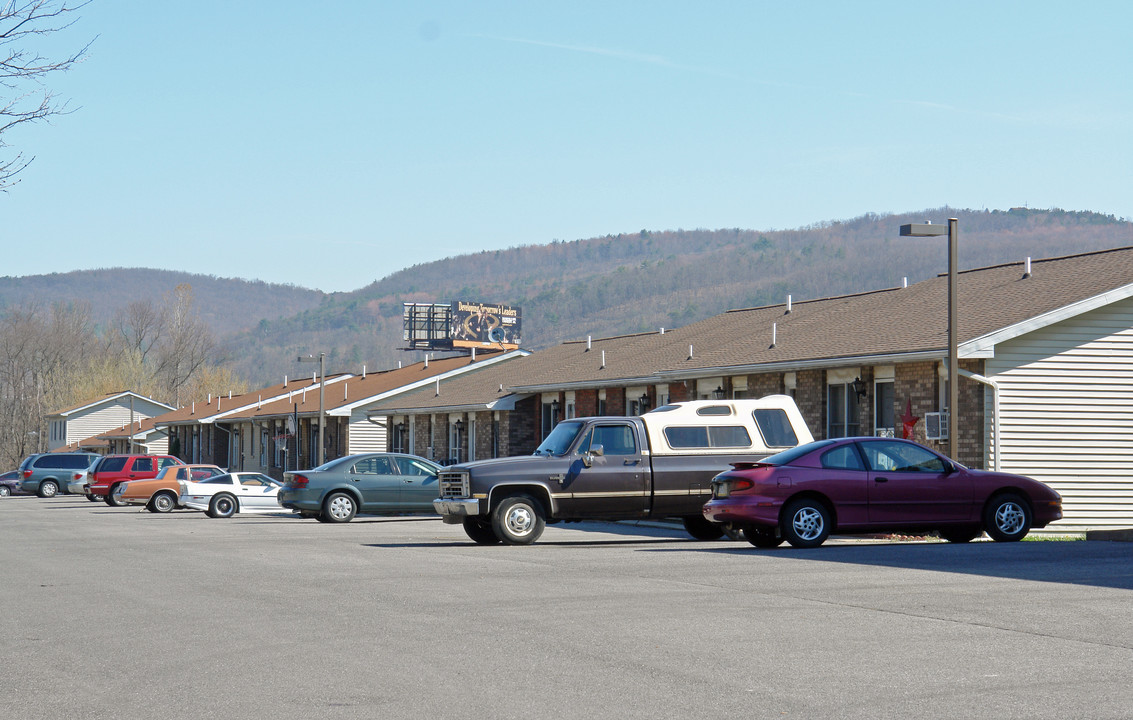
column 160, row 495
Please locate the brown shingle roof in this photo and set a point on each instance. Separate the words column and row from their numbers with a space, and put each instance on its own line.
column 893, row 322
column 358, row 388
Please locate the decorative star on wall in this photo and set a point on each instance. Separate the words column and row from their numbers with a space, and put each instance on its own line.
column 908, row 420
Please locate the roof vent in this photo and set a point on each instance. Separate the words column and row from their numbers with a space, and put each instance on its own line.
column 690, row 351
column 774, row 333
column 603, row 365
column 587, row 343
column 1027, row 269
column 788, row 305
column 905, row 282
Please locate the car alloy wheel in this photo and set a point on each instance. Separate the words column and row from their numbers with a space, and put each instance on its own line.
column 222, row 506
column 1007, row 518
column 806, row 523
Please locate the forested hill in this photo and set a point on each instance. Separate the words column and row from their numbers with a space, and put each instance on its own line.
column 636, row 282
column 224, row 304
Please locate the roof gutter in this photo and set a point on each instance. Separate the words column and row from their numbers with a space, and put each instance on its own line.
column 504, row 403
column 789, row 365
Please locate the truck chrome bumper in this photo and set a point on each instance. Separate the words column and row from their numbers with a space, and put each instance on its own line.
column 453, row 511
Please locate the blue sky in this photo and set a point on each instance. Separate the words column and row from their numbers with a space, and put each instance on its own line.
column 331, row 144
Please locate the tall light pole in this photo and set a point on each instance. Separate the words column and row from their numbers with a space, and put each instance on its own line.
column 322, row 412
column 953, row 232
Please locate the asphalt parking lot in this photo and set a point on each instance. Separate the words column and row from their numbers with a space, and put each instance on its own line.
column 120, row 613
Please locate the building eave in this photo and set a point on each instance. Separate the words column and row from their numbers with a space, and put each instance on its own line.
column 984, row 346
column 795, row 365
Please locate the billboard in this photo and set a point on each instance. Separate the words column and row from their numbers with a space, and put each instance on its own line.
column 479, row 325
column 461, row 324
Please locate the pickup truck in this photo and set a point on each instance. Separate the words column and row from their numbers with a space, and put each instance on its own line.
column 657, row 465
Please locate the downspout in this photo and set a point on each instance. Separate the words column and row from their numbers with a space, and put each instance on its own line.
column 995, row 410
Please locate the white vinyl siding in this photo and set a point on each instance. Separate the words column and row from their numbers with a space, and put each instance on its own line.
column 1066, row 413
column 365, row 436
column 99, row 417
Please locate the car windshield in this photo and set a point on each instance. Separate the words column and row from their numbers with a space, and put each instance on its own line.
column 788, row 456
column 560, row 439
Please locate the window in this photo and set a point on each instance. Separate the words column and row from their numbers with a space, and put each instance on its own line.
column 842, row 458
column 842, row 411
column 776, row 427
column 409, row 466
column 400, row 437
column 166, row 462
column 901, row 457
column 614, row 439
column 549, row 417
column 373, row 466
column 884, row 422
column 111, row 464
column 714, row 410
column 713, row 436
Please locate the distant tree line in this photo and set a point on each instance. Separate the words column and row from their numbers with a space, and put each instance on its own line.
column 53, row 358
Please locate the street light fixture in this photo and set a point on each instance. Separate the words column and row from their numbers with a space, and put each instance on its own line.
column 953, row 232
column 322, row 407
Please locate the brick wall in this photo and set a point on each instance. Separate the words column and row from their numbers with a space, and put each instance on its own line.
column 586, row 403
column 810, row 396
column 523, row 431
column 679, row 392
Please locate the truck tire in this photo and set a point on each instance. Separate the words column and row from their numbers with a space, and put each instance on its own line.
column 518, row 520
column 702, row 529
column 480, row 531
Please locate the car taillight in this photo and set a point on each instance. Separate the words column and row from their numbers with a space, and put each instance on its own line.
column 77, row 476
column 298, row 481
column 27, row 474
column 723, row 487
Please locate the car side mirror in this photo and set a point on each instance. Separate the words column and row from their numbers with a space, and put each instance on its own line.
column 593, row 452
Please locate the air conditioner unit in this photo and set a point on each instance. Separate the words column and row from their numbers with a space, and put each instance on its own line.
column 936, row 425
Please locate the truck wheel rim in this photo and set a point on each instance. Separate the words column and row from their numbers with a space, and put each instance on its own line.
column 520, row 520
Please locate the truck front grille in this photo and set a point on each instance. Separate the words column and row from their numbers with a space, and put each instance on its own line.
column 454, row 484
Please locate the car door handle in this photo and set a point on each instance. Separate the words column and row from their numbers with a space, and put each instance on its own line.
column 880, row 480
column 630, row 462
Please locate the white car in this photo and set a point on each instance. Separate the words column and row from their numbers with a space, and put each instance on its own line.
column 225, row 495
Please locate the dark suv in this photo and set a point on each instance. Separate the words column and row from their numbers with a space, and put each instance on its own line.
column 114, row 471
column 46, row 474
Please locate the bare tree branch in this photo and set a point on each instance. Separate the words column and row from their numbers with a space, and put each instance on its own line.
column 22, row 23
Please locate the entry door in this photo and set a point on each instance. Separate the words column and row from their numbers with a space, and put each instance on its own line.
column 908, row 485
column 615, row 484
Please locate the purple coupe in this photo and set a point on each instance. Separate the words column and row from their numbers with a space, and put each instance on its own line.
column 869, row 485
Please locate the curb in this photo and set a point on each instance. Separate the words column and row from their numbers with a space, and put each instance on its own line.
column 1118, row 535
